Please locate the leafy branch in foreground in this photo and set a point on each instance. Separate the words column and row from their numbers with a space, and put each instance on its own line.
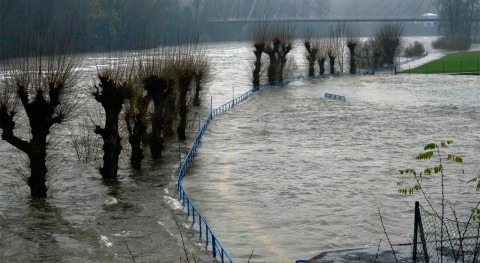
column 448, row 236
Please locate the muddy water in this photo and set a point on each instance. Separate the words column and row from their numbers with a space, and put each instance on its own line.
column 288, row 174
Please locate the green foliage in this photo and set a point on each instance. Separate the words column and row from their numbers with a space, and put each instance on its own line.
column 458, row 62
column 475, row 213
column 431, row 150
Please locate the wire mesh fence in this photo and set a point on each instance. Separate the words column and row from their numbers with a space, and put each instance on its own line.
column 446, row 240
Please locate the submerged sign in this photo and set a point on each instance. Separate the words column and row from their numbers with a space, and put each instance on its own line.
column 334, row 97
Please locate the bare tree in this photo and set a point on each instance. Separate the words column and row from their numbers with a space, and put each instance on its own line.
column 260, row 38
column 277, row 50
column 457, row 20
column 390, row 38
column 286, row 37
column 114, row 87
column 136, row 119
column 312, row 47
column 272, row 50
column 339, row 34
column 43, row 86
column 322, row 54
column 202, row 69
column 352, row 43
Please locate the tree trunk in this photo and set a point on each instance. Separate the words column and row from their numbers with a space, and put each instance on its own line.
column 321, row 65
column 38, row 169
column 198, row 88
column 285, row 49
column 111, row 143
column 273, row 55
column 332, row 64
column 258, row 65
column 135, row 136
column 111, row 96
column 184, row 84
column 159, row 90
column 353, row 64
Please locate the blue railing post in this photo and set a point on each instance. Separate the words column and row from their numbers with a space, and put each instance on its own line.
column 214, row 248
column 207, row 229
column 200, row 225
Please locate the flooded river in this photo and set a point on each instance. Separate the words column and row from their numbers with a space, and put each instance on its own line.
column 287, row 174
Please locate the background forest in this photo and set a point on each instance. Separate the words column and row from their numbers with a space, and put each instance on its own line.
column 100, row 25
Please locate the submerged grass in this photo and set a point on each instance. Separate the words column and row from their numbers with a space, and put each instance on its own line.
column 459, row 62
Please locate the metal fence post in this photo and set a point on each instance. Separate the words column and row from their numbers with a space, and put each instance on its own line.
column 214, row 248
column 415, row 231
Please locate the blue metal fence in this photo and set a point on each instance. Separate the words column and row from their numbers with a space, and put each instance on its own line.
column 206, row 233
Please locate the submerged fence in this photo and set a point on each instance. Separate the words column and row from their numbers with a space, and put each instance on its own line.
column 206, row 232
column 447, row 241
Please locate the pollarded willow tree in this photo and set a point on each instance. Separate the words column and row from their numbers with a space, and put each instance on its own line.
column 312, row 46
column 42, row 87
column 390, row 38
column 159, row 89
column 277, row 50
column 260, row 38
column 114, row 87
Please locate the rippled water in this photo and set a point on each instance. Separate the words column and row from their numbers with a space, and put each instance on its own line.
column 287, row 174
column 290, row 174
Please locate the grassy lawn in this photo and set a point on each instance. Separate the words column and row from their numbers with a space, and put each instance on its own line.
column 460, row 62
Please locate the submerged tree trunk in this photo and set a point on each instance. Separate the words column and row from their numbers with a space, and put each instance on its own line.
column 184, row 84
column 285, row 49
column 311, row 58
column 321, row 65
column 331, row 58
column 111, row 95
column 198, row 88
column 135, row 136
column 273, row 55
column 41, row 115
column 258, row 65
column 353, row 65
column 158, row 89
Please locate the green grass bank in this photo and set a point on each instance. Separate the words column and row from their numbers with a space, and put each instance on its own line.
column 454, row 63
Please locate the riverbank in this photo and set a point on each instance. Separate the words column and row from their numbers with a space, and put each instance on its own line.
column 420, row 66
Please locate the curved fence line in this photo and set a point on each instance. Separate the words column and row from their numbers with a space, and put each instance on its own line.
column 206, row 232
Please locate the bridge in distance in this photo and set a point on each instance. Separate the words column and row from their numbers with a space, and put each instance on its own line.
column 327, row 19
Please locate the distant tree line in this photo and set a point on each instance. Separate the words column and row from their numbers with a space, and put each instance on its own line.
column 101, row 25
column 460, row 24
column 342, row 43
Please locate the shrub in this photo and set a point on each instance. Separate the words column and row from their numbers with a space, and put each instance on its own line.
column 415, row 49
column 452, row 43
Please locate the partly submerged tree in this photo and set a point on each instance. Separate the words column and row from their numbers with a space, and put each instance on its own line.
column 312, row 46
column 136, row 119
column 43, row 86
column 390, row 37
column 112, row 90
column 202, row 76
column 260, row 38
